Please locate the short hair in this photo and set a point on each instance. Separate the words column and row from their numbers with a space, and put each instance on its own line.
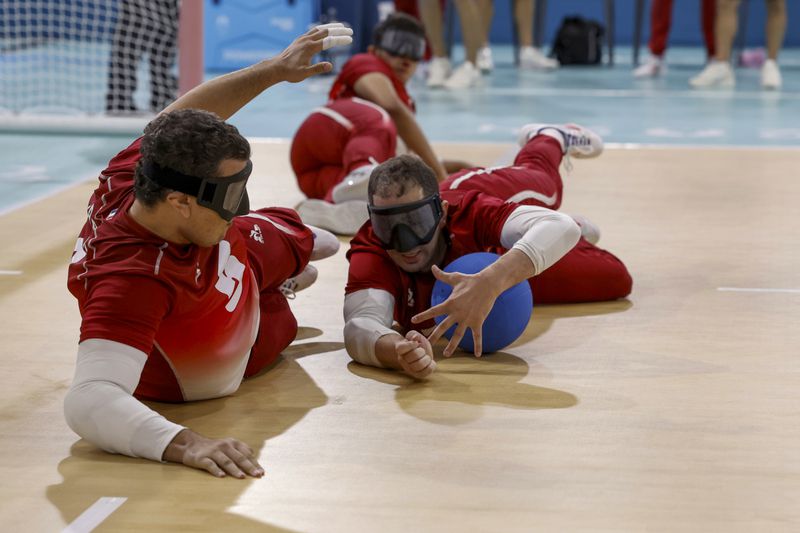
column 191, row 141
column 399, row 22
column 395, row 177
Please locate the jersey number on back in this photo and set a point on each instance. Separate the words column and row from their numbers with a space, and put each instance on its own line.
column 230, row 271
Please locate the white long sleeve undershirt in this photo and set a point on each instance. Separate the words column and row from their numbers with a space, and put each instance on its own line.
column 541, row 234
column 100, row 406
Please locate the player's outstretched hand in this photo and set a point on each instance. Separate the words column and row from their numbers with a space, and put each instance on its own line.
column 415, row 355
column 468, row 306
column 296, row 59
column 220, row 457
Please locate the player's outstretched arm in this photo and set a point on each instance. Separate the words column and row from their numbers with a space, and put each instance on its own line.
column 370, row 340
column 227, row 94
column 100, row 407
column 535, row 237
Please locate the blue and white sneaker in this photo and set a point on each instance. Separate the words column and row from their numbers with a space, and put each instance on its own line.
column 576, row 141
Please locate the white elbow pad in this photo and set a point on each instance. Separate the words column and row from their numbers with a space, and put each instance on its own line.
column 100, row 406
column 542, row 234
column 368, row 317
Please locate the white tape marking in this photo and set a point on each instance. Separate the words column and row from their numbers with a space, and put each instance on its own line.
column 10, row 272
column 94, row 515
column 746, row 289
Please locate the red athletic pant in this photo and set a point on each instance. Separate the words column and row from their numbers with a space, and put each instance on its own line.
column 278, row 247
column 345, row 134
column 586, row 273
column 661, row 20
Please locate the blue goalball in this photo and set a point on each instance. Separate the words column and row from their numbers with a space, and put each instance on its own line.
column 508, row 318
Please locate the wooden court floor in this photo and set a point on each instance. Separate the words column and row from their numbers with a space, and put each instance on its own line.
column 675, row 410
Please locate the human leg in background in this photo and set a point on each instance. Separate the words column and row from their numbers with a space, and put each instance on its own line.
column 530, row 57
column 718, row 72
column 467, row 74
column 660, row 23
column 484, row 61
column 439, row 68
column 708, row 16
column 776, row 29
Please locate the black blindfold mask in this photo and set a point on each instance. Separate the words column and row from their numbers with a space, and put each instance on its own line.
column 405, row 227
column 226, row 195
column 403, row 44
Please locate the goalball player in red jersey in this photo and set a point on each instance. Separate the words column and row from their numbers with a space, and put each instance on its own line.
column 178, row 282
column 418, row 226
column 339, row 144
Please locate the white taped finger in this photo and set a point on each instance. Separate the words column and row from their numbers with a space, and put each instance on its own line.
column 336, row 40
column 329, row 26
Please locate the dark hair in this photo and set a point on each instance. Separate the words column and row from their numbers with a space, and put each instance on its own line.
column 395, row 177
column 191, row 141
column 400, row 22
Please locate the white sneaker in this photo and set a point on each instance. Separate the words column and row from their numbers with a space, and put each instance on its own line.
column 653, row 67
column 303, row 280
column 438, row 70
column 464, row 77
column 533, row 59
column 771, row 75
column 344, row 219
column 589, row 230
column 485, row 63
column 353, row 186
column 716, row 74
column 325, row 243
column 576, row 141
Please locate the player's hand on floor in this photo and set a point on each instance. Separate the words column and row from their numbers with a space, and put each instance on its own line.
column 220, row 457
column 415, row 355
column 296, row 58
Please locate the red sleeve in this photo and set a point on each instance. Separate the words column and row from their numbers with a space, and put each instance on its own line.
column 278, row 244
column 126, row 309
column 359, row 65
column 477, row 217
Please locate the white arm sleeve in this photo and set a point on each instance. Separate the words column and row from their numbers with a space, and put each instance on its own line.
column 100, row 407
column 542, row 234
column 367, row 317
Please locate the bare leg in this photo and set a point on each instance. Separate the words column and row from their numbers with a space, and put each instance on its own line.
column 776, row 26
column 523, row 18
column 470, row 27
column 725, row 27
column 486, row 13
column 430, row 12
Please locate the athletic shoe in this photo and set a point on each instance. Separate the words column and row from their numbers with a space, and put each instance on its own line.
column 301, row 281
column 343, row 219
column 716, row 74
column 653, row 67
column 325, row 243
column 533, row 59
column 576, row 141
column 485, row 63
column 589, row 230
column 354, row 185
column 438, row 71
column 771, row 75
column 464, row 77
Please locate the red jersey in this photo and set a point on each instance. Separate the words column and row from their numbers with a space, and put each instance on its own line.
column 193, row 310
column 360, row 65
column 474, row 224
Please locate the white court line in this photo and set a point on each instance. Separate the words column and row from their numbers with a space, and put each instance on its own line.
column 748, row 289
column 641, row 93
column 91, row 517
column 10, row 272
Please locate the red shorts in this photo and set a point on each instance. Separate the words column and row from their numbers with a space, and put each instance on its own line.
column 344, row 135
